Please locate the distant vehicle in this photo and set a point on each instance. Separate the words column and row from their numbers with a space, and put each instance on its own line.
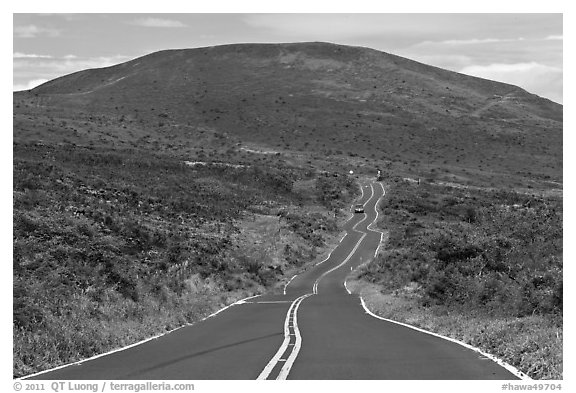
column 359, row 208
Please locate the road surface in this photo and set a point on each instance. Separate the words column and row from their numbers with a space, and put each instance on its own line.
column 315, row 330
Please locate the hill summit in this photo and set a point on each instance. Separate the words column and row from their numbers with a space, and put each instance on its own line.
column 324, row 98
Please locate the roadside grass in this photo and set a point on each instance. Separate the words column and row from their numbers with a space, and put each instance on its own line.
column 532, row 344
column 275, row 247
column 92, row 327
column 111, row 247
column 483, row 266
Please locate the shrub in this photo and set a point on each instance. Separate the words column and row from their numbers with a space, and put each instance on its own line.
column 504, row 257
column 112, row 236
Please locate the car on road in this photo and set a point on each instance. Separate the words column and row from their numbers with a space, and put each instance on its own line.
column 359, row 208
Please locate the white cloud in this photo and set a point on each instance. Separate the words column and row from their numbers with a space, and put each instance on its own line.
column 66, row 64
column 325, row 26
column 19, row 55
column 29, row 71
column 453, row 62
column 470, row 41
column 509, row 70
column 157, row 22
column 31, row 31
column 555, row 37
column 29, row 85
column 534, row 77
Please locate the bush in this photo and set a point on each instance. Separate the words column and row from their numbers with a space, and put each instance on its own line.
column 503, row 257
column 113, row 236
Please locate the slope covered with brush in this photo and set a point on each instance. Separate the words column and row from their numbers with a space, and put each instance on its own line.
column 325, row 98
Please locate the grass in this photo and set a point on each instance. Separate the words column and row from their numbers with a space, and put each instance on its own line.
column 112, row 246
column 483, row 266
column 532, row 344
column 88, row 327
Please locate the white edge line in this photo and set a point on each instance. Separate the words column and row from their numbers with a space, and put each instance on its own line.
column 241, row 301
column 376, row 220
column 328, row 257
column 292, row 358
column 339, row 241
column 371, row 195
column 500, row 362
column 289, row 281
column 346, row 286
column 373, row 230
column 315, row 286
column 376, row 209
column 79, row 362
column 352, row 205
column 364, row 234
column 380, row 245
column 331, row 251
column 297, row 345
column 272, row 363
column 289, row 362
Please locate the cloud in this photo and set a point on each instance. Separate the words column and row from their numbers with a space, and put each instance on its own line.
column 511, row 60
column 453, row 62
column 157, row 22
column 19, row 55
column 29, row 85
column 509, row 70
column 409, row 27
column 555, row 37
column 31, row 71
column 471, row 41
column 68, row 63
column 31, row 31
column 534, row 77
column 326, row 26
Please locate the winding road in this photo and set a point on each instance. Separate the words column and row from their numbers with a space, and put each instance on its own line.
column 315, row 330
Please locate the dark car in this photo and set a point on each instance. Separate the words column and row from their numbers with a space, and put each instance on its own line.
column 359, row 208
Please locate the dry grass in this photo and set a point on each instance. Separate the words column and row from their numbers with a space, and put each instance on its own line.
column 102, row 261
column 99, row 327
column 264, row 238
column 532, row 344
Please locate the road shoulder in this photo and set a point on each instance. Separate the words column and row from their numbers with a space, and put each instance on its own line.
column 507, row 340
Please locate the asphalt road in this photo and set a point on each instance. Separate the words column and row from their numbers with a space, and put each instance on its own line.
column 316, row 330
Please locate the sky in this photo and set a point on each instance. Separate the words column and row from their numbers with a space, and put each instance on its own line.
column 521, row 49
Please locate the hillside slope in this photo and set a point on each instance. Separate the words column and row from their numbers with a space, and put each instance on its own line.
column 323, row 98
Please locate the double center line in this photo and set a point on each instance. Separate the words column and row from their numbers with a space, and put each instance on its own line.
column 279, row 366
column 281, row 363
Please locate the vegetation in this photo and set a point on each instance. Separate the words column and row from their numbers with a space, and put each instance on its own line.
column 116, row 238
column 479, row 255
column 317, row 98
column 112, row 246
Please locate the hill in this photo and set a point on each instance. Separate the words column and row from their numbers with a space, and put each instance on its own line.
column 326, row 99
